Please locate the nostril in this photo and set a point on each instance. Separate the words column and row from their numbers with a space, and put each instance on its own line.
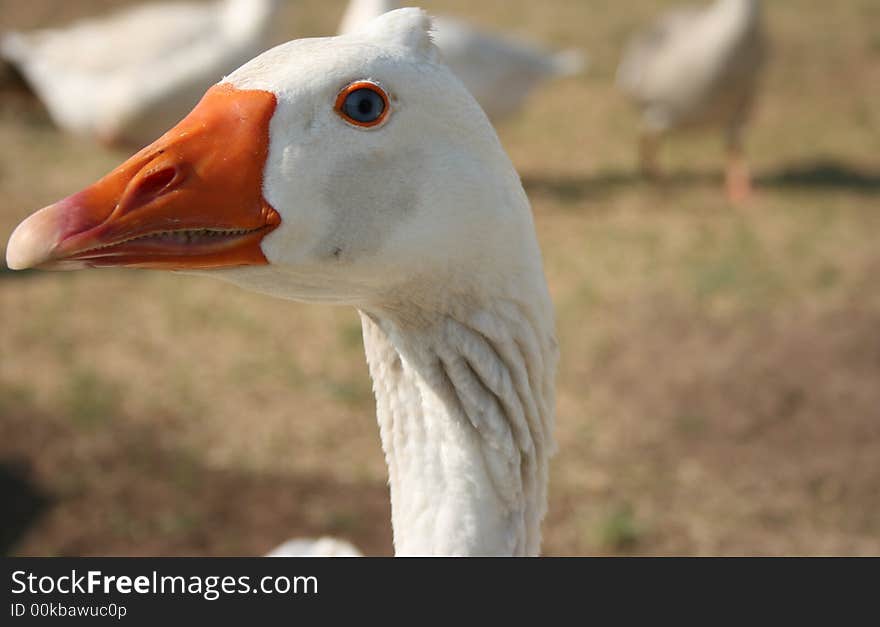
column 155, row 182
column 147, row 186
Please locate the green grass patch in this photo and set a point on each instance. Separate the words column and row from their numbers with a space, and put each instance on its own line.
column 90, row 400
column 619, row 529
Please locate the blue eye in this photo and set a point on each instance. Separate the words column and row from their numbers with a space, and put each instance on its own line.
column 363, row 104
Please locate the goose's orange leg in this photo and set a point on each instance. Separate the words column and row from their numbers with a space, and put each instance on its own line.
column 738, row 179
column 649, row 145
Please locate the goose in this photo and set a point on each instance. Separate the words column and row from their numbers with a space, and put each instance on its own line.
column 128, row 76
column 500, row 71
column 322, row 547
column 358, row 170
column 697, row 67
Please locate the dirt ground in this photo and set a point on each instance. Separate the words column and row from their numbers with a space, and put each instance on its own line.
column 719, row 390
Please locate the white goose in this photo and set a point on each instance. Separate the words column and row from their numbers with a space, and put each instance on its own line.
column 322, row 547
column 499, row 71
column 695, row 68
column 358, row 170
column 128, row 76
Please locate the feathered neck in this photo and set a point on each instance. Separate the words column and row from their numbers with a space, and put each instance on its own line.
column 732, row 24
column 465, row 403
column 738, row 11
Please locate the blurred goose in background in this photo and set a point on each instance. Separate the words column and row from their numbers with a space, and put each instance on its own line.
column 322, row 547
column 500, row 71
column 358, row 170
column 697, row 68
column 127, row 76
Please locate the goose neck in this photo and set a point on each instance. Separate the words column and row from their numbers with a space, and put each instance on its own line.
column 465, row 411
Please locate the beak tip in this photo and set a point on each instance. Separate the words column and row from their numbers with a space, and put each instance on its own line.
column 33, row 241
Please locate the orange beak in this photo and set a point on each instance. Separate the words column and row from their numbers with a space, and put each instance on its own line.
column 191, row 200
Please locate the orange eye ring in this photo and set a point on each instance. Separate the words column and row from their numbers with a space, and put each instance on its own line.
column 343, row 96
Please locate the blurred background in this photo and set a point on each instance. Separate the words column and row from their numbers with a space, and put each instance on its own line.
column 719, row 389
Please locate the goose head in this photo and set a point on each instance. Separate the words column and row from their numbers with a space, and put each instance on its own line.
column 339, row 170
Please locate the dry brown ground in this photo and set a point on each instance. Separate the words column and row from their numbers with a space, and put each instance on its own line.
column 719, row 391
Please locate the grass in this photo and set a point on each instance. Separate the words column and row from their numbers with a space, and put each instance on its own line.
column 619, row 530
column 718, row 386
column 91, row 401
